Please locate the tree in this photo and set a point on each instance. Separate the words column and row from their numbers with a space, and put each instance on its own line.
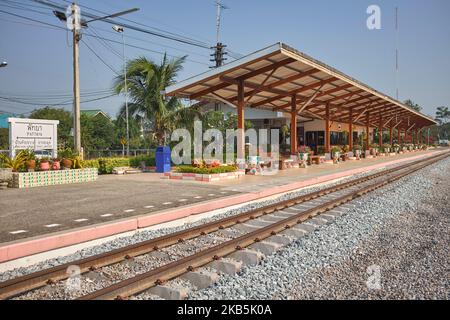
column 65, row 123
column 96, row 133
column 4, row 138
column 442, row 115
column 146, row 80
column 413, row 105
column 121, row 132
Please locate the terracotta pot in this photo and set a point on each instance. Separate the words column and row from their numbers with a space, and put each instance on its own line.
column 67, row 163
column 44, row 166
column 31, row 165
column 56, row 165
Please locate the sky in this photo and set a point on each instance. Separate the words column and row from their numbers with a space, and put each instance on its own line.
column 39, row 57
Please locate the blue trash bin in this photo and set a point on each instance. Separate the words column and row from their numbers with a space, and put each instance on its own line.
column 162, row 158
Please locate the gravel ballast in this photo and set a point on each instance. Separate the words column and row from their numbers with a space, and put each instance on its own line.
column 401, row 230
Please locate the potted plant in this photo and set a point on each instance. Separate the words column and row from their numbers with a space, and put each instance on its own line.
column 357, row 151
column 44, row 164
column 335, row 153
column 16, row 163
column 373, row 149
column 56, row 164
column 30, row 160
column 67, row 155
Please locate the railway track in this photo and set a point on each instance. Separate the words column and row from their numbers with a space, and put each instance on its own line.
column 320, row 201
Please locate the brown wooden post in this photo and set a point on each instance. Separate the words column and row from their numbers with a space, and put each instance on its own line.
column 399, row 136
column 240, row 116
column 294, row 124
column 390, row 135
column 367, row 130
column 327, row 129
column 380, row 132
column 350, row 131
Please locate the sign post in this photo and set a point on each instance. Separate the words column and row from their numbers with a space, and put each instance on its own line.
column 33, row 134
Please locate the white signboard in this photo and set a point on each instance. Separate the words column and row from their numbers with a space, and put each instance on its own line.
column 33, row 134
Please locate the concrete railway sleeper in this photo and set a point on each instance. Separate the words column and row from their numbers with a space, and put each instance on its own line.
column 36, row 280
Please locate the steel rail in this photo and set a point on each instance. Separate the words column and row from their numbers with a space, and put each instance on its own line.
column 41, row 278
column 144, row 281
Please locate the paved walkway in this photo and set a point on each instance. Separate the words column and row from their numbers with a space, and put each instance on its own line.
column 26, row 213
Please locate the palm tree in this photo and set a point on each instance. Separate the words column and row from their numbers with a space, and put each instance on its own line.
column 413, row 105
column 442, row 114
column 146, row 80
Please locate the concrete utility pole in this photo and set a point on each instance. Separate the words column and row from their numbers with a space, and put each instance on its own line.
column 76, row 26
column 121, row 30
column 74, row 23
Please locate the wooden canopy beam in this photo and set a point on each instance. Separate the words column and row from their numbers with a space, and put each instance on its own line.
column 246, row 76
column 296, row 91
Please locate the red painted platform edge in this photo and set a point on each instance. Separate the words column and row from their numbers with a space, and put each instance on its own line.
column 27, row 247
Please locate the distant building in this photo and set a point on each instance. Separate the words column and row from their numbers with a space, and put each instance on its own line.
column 4, row 119
column 95, row 113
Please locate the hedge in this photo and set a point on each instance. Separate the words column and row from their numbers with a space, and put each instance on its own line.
column 216, row 170
column 149, row 161
column 106, row 165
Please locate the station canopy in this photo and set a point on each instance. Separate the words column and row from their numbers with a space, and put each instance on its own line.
column 274, row 77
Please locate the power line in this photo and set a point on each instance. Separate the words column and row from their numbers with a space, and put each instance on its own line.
column 100, row 58
column 106, row 39
column 62, row 103
column 141, row 24
column 128, row 26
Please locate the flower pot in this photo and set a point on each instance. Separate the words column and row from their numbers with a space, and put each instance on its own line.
column 44, row 166
column 56, row 165
column 67, row 163
column 31, row 165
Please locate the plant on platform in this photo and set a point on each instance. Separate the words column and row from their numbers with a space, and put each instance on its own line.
column 335, row 153
column 30, row 159
column 16, row 163
column 205, row 170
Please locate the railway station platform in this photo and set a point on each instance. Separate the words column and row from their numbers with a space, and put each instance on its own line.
column 47, row 218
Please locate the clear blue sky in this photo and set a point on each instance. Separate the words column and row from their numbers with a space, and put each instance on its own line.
column 332, row 31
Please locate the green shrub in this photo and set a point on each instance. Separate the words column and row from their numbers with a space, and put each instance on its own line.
column 91, row 163
column 106, row 165
column 149, row 161
column 216, row 170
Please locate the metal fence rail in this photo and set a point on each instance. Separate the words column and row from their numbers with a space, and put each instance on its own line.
column 93, row 154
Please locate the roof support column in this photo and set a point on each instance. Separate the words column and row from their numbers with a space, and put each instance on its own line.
column 294, row 124
column 240, row 120
column 390, row 136
column 327, row 129
column 380, row 132
column 399, row 136
column 350, row 131
column 367, row 130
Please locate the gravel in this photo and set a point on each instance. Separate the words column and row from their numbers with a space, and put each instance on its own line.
column 400, row 230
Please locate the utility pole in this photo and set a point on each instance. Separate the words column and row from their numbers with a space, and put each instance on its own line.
column 219, row 48
column 121, row 30
column 72, row 17
column 396, row 52
column 76, row 26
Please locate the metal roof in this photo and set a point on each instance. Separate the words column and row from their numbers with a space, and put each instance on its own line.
column 273, row 75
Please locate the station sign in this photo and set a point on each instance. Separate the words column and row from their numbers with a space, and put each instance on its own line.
column 33, row 134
